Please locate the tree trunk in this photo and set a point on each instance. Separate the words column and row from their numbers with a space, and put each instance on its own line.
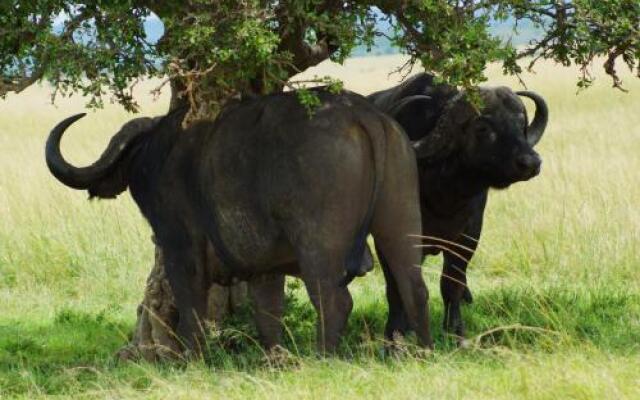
column 157, row 316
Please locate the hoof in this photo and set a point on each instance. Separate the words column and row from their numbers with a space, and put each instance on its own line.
column 400, row 347
column 396, row 346
column 366, row 265
column 280, row 358
column 150, row 353
column 128, row 353
column 466, row 296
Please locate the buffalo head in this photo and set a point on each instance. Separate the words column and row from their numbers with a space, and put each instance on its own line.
column 109, row 175
column 494, row 143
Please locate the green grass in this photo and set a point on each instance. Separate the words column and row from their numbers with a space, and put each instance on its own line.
column 556, row 280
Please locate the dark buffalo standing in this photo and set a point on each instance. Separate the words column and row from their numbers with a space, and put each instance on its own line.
column 269, row 189
column 461, row 153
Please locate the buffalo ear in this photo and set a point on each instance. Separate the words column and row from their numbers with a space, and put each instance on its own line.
column 441, row 140
column 410, row 112
column 171, row 121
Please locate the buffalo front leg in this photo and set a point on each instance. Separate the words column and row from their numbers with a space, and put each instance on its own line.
column 332, row 302
column 453, row 282
column 396, row 220
column 397, row 323
column 189, row 279
column 267, row 295
column 452, row 286
column 333, row 305
column 405, row 273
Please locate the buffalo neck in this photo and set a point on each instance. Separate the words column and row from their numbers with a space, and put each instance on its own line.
column 150, row 157
column 447, row 189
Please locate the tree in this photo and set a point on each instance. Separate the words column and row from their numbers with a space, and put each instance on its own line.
column 215, row 50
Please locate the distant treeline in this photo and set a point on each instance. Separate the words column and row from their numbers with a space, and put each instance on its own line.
column 525, row 33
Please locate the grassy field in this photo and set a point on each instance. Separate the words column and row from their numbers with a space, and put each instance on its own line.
column 556, row 278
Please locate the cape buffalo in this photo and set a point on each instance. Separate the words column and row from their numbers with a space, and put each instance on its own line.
column 273, row 191
column 461, row 153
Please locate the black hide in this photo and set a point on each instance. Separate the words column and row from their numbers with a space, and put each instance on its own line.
column 462, row 153
column 267, row 190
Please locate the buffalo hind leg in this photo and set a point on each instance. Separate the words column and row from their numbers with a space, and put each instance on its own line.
column 267, row 295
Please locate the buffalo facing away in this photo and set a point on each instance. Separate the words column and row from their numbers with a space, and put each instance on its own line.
column 272, row 192
column 461, row 153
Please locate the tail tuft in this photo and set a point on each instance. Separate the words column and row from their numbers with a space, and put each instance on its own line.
column 355, row 257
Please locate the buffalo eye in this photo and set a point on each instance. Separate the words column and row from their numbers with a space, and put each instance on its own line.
column 484, row 131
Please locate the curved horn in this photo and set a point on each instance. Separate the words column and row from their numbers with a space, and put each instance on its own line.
column 539, row 123
column 83, row 178
column 439, row 142
column 402, row 103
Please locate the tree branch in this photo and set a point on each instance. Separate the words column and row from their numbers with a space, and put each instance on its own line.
column 19, row 83
column 305, row 55
column 610, row 64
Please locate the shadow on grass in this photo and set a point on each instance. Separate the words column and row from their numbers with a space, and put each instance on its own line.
column 54, row 355
column 515, row 318
column 70, row 353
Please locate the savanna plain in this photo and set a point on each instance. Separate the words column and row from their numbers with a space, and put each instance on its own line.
column 556, row 279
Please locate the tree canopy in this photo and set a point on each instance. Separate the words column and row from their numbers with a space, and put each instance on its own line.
column 220, row 48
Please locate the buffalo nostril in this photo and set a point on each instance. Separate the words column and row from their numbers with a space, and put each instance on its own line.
column 529, row 163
